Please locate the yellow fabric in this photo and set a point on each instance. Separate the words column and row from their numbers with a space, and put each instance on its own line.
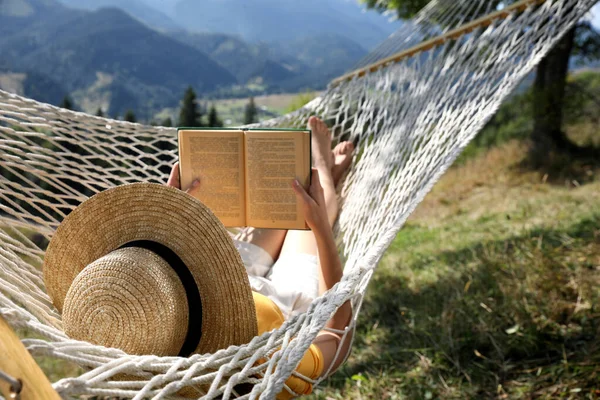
column 269, row 317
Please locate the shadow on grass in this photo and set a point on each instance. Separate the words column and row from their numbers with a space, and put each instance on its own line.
column 517, row 314
column 561, row 168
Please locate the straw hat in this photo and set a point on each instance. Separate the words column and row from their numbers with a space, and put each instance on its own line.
column 150, row 270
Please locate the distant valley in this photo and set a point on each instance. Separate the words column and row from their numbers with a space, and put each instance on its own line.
column 142, row 58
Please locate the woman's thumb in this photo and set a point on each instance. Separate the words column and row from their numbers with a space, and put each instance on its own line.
column 299, row 190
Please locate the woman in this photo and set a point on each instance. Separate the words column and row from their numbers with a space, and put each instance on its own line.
column 291, row 268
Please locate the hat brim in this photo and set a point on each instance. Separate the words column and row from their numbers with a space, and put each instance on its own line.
column 148, row 211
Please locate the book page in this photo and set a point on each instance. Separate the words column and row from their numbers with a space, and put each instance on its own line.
column 217, row 159
column 273, row 160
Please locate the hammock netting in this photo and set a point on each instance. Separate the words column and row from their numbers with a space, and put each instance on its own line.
column 409, row 119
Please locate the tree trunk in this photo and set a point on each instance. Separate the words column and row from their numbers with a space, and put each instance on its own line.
column 548, row 99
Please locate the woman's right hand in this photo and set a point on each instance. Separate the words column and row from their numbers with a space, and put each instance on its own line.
column 313, row 203
column 174, row 181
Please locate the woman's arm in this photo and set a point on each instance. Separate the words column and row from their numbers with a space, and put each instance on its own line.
column 313, row 203
column 331, row 273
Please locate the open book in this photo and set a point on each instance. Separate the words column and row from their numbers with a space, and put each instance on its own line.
column 246, row 174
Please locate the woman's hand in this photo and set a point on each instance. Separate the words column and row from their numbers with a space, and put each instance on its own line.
column 174, row 181
column 313, row 202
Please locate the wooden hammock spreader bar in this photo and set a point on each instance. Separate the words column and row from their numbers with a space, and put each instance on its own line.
column 438, row 40
column 17, row 364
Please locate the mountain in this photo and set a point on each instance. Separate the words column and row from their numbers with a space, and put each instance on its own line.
column 326, row 56
column 306, row 63
column 33, row 85
column 284, row 20
column 136, row 8
column 248, row 62
column 107, row 53
column 106, row 58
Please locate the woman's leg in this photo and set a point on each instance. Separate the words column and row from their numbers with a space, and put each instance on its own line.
column 270, row 240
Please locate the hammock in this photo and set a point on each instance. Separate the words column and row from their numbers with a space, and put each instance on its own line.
column 410, row 110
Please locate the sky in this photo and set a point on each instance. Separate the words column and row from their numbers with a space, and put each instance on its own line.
column 595, row 16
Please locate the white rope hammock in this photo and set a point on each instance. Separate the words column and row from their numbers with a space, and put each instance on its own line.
column 410, row 119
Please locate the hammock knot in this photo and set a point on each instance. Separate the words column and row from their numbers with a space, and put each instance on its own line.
column 70, row 386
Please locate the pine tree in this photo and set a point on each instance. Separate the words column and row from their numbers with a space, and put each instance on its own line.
column 190, row 115
column 130, row 116
column 213, row 118
column 167, row 122
column 250, row 113
column 99, row 112
column 67, row 103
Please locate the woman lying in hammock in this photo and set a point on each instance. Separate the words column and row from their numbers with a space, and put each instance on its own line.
column 292, row 268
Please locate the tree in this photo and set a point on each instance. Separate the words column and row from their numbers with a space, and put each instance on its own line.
column 67, row 103
column 190, row 115
column 167, row 122
column 549, row 93
column 99, row 112
column 130, row 116
column 250, row 113
column 213, row 117
column 550, row 80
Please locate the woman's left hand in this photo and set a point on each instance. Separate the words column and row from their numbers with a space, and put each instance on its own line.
column 313, row 202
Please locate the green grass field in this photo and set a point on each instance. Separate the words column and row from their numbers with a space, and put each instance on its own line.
column 490, row 291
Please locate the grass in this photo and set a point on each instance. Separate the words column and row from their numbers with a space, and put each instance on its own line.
column 491, row 290
column 231, row 111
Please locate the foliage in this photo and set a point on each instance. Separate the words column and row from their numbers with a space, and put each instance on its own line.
column 583, row 98
column 250, row 112
column 129, row 116
column 67, row 103
column 405, row 9
column 190, row 115
column 586, row 48
column 213, row 117
column 514, row 120
column 99, row 112
column 167, row 122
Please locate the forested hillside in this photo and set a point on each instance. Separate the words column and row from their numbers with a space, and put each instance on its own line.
column 134, row 57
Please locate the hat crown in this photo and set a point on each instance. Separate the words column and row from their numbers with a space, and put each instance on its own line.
column 130, row 299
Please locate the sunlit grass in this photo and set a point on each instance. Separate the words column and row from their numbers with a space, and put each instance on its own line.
column 489, row 291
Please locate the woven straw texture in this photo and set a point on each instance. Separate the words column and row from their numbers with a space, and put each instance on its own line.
column 130, row 299
column 409, row 119
column 170, row 217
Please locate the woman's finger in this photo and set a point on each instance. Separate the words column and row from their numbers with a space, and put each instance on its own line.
column 300, row 192
column 174, row 177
